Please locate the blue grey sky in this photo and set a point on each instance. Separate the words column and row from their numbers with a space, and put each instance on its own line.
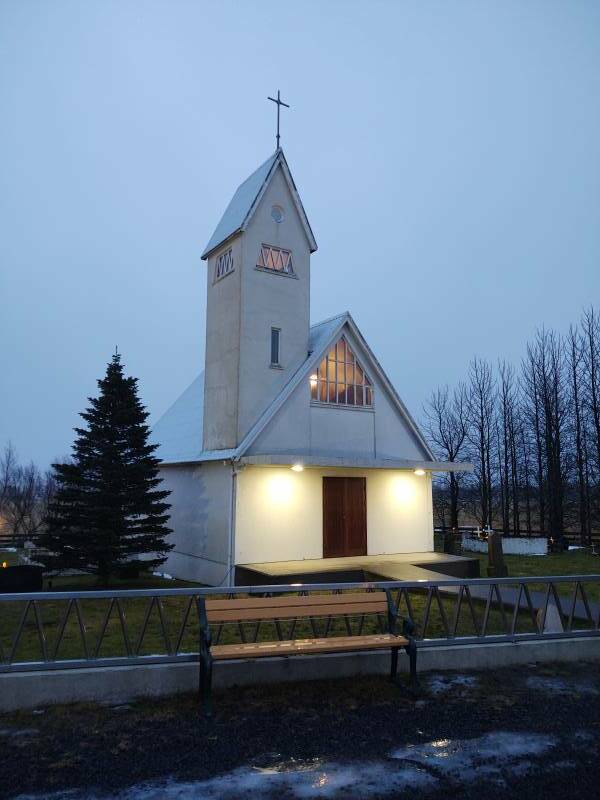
column 447, row 153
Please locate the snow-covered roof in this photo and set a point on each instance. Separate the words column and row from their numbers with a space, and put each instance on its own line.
column 179, row 430
column 246, row 199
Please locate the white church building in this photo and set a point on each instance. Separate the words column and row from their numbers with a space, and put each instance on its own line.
column 292, row 444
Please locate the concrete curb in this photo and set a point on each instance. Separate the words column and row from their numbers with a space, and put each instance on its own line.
column 120, row 684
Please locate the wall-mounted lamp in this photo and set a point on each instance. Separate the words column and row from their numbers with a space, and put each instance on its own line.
column 419, row 472
column 298, row 467
column 313, row 380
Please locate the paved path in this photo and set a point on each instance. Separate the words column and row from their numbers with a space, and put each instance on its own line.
column 509, row 595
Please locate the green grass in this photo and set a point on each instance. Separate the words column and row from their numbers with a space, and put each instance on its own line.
column 9, row 557
column 94, row 611
column 572, row 562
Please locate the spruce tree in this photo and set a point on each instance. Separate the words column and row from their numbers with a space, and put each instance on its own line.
column 108, row 511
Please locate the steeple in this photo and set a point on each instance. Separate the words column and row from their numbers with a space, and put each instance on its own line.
column 258, row 291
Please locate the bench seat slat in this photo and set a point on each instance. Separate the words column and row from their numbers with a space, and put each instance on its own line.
column 295, row 612
column 283, row 601
column 335, row 644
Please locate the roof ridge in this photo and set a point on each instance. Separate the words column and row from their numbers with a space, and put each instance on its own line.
column 330, row 319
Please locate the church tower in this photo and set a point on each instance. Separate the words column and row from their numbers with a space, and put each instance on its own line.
column 258, row 293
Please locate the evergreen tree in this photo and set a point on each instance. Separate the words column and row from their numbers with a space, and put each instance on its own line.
column 108, row 511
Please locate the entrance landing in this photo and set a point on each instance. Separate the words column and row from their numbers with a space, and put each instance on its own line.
column 393, row 567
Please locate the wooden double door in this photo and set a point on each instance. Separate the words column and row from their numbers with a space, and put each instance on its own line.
column 344, row 517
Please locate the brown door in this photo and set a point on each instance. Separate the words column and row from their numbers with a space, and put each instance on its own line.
column 344, row 517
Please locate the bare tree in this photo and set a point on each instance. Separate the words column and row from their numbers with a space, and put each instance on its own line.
column 24, row 496
column 575, row 365
column 446, row 425
column 481, row 399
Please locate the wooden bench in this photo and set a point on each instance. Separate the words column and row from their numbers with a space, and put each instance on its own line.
column 301, row 607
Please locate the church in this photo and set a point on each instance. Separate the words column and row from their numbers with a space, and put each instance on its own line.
column 292, row 446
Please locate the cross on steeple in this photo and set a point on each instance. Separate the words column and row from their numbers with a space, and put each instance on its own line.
column 279, row 103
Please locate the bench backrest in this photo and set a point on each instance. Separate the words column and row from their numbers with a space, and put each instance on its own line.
column 295, row 606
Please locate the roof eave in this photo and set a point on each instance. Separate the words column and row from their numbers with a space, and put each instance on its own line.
column 354, row 462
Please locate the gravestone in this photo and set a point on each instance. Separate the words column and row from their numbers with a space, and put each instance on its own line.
column 496, row 566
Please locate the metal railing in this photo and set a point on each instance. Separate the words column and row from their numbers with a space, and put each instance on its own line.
column 61, row 630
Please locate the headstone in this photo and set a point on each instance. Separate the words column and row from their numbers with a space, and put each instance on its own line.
column 496, row 566
column 553, row 622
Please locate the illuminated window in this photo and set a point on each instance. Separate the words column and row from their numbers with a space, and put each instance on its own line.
column 275, row 259
column 341, row 380
column 224, row 264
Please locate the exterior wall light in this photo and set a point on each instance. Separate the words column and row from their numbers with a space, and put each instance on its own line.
column 298, row 467
column 313, row 380
column 419, row 472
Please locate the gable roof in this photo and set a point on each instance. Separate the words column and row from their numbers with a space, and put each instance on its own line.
column 179, row 430
column 245, row 201
column 323, row 335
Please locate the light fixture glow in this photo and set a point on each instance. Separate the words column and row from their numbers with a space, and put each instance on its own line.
column 313, row 380
column 419, row 472
column 298, row 467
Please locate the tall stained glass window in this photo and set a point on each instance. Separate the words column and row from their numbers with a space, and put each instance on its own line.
column 340, row 379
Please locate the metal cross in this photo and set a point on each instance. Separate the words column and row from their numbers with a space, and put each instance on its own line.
column 279, row 103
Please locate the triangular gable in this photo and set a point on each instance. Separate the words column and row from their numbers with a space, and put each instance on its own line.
column 331, row 331
column 246, row 199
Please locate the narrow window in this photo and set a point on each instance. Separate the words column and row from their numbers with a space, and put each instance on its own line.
column 275, row 335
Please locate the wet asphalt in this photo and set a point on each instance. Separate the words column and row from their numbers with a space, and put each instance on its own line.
column 98, row 751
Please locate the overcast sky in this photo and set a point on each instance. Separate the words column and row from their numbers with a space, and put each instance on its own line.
column 447, row 153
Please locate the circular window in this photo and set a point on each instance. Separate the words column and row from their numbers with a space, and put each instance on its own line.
column 277, row 213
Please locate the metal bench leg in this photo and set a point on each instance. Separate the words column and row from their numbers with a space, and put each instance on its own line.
column 206, row 685
column 411, row 649
column 394, row 664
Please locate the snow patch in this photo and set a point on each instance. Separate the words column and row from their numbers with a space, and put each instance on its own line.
column 335, row 780
column 439, row 684
column 487, row 756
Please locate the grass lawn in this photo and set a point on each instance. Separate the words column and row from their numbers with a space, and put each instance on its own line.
column 10, row 557
column 94, row 612
column 572, row 562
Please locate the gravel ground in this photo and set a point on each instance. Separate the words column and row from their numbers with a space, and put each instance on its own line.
column 531, row 732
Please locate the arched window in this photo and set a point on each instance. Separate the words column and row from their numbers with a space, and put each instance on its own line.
column 340, row 379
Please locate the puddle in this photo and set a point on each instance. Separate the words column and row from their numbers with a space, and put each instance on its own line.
column 559, row 685
column 439, row 684
column 326, row 780
column 486, row 756
column 419, row 767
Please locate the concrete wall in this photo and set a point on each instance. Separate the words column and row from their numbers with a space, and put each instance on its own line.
column 279, row 513
column 120, row 684
column 312, row 429
column 222, row 360
column 200, row 518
